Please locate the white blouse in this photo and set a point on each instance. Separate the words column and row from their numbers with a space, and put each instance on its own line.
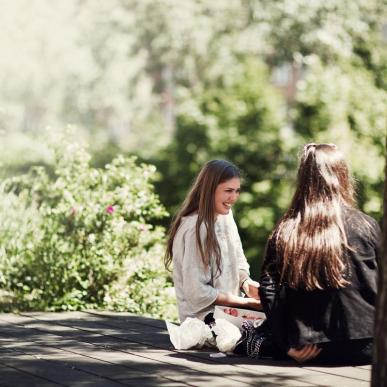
column 197, row 287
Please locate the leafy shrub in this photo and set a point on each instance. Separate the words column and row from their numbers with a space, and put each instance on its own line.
column 83, row 238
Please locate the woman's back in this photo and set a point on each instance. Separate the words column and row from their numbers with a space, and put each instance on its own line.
column 319, row 277
column 299, row 316
column 331, row 314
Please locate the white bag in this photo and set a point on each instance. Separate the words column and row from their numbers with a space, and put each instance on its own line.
column 227, row 335
column 195, row 333
column 191, row 333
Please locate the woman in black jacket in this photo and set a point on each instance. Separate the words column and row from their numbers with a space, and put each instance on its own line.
column 319, row 276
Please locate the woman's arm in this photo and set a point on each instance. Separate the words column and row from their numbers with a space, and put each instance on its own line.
column 241, row 302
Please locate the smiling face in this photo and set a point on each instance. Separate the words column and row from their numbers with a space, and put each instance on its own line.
column 226, row 194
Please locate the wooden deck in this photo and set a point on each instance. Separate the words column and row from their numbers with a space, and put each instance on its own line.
column 114, row 349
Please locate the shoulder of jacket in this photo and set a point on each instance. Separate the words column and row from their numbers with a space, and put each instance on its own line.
column 362, row 225
column 355, row 214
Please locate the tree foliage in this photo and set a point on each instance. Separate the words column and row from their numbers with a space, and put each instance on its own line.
column 350, row 112
column 379, row 366
column 180, row 82
column 239, row 119
column 84, row 237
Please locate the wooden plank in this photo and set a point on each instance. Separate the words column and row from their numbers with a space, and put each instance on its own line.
column 89, row 363
column 83, row 328
column 130, row 326
column 46, row 339
column 100, row 329
column 11, row 377
column 124, row 317
column 189, row 373
column 152, row 381
column 135, row 344
column 290, row 369
column 130, row 317
column 67, row 360
column 361, row 373
column 168, row 371
column 211, row 364
column 54, row 373
column 365, row 367
column 351, row 372
column 335, row 370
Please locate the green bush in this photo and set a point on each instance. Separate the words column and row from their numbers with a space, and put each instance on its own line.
column 83, row 238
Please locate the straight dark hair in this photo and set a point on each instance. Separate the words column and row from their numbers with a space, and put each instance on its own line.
column 201, row 199
column 310, row 239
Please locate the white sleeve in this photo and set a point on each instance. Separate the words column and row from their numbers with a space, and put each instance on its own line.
column 243, row 266
column 197, row 280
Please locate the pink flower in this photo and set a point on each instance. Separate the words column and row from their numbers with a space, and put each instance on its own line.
column 73, row 211
column 142, row 227
column 109, row 209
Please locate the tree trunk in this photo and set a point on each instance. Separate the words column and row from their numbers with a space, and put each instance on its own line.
column 379, row 369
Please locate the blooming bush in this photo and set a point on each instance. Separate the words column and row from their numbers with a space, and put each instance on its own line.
column 83, row 238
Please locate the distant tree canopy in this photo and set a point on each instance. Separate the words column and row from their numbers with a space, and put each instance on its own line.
column 180, row 82
column 83, row 237
column 231, row 110
column 239, row 120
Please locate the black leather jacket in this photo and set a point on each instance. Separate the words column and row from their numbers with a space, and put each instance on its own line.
column 298, row 317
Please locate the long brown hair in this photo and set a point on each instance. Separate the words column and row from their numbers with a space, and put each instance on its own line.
column 201, row 199
column 310, row 239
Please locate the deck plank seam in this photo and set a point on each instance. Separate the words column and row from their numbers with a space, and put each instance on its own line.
column 135, row 354
column 214, row 360
column 111, row 363
column 31, row 374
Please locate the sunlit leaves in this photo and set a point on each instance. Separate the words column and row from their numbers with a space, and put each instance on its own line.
column 69, row 241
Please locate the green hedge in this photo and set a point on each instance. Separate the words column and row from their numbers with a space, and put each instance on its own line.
column 82, row 237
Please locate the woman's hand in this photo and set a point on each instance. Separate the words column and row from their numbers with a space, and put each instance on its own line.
column 250, row 287
column 252, row 303
column 307, row 352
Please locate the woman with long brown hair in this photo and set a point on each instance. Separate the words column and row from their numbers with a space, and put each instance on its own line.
column 209, row 266
column 319, row 276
